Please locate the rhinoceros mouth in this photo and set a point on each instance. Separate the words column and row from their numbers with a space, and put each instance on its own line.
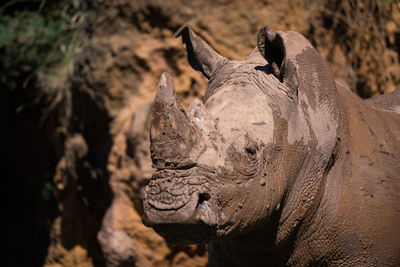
column 176, row 202
column 167, row 201
column 173, row 189
column 168, row 194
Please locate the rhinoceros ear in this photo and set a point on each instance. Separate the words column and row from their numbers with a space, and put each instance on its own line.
column 281, row 49
column 200, row 55
column 271, row 46
column 294, row 60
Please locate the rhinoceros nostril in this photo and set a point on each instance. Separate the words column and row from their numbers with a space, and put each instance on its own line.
column 203, row 197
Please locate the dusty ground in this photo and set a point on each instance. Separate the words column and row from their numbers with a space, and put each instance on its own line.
column 127, row 44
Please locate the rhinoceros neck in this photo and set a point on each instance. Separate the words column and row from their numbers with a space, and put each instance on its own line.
column 342, row 214
column 317, row 113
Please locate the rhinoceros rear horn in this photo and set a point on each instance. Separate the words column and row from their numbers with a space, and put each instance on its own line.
column 200, row 55
column 271, row 46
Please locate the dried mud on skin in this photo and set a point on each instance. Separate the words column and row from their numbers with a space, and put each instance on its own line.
column 106, row 162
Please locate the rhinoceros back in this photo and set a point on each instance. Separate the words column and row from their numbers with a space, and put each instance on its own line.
column 389, row 102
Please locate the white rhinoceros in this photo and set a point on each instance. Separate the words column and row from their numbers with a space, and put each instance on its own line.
column 279, row 165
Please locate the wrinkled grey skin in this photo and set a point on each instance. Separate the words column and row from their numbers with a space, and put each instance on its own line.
column 279, row 165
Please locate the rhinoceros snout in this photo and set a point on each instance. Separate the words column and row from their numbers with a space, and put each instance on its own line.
column 168, row 194
column 175, row 199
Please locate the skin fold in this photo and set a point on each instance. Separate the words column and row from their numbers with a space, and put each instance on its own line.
column 279, row 165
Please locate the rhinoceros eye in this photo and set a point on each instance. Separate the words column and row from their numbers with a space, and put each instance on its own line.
column 251, row 151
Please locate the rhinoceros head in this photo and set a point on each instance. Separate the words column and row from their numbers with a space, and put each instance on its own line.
column 253, row 153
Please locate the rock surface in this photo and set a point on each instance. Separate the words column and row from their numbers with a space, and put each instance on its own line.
column 106, row 162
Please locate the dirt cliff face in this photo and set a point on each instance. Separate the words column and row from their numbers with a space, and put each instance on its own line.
column 106, row 163
column 361, row 41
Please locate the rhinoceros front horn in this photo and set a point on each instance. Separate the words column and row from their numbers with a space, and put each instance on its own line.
column 172, row 135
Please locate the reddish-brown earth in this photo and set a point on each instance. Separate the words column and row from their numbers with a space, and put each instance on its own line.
column 105, row 161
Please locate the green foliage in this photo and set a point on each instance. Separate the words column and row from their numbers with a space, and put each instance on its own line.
column 47, row 191
column 37, row 38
